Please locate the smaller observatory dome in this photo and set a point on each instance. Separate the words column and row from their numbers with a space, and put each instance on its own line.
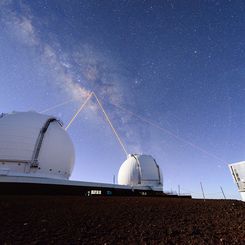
column 34, row 145
column 140, row 170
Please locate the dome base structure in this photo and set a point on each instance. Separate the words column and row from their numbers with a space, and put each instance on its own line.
column 34, row 145
column 141, row 170
column 16, row 185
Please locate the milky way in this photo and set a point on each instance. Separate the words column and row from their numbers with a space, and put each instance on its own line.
column 178, row 65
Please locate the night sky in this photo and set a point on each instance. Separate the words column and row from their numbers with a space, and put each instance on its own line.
column 178, row 65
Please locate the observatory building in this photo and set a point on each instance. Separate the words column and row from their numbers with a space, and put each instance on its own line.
column 34, row 145
column 141, row 170
column 238, row 174
column 37, row 156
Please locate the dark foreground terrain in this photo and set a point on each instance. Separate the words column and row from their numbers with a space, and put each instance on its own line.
column 120, row 220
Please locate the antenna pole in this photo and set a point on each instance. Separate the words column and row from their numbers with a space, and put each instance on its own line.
column 222, row 192
column 202, row 191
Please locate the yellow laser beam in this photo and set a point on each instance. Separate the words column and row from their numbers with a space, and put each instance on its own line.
column 78, row 111
column 56, row 106
column 110, row 123
column 170, row 133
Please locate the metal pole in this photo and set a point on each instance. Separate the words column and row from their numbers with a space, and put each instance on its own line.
column 114, row 179
column 202, row 191
column 179, row 189
column 222, row 192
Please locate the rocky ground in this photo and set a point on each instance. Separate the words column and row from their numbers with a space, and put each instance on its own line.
column 120, row 220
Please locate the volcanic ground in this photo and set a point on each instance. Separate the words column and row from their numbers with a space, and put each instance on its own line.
column 120, row 220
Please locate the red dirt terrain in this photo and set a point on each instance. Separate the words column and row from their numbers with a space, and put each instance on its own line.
column 120, row 220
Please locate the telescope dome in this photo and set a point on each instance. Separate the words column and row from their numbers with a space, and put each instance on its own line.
column 140, row 170
column 238, row 174
column 34, row 145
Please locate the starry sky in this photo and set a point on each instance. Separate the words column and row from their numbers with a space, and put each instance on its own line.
column 170, row 74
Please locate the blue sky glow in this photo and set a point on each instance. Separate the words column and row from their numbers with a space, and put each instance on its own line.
column 177, row 64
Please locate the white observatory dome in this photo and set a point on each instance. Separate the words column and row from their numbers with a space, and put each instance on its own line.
column 238, row 174
column 34, row 145
column 140, row 170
